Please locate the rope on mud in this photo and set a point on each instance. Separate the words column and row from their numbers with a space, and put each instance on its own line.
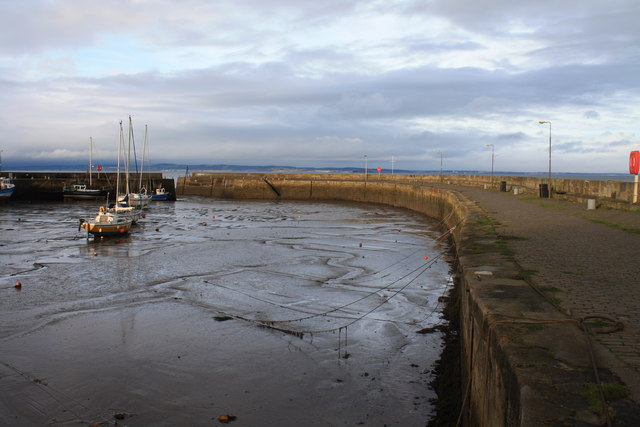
column 438, row 239
column 311, row 315
column 271, row 324
column 52, row 393
column 358, row 318
column 437, row 306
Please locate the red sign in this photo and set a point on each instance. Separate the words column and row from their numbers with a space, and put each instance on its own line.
column 634, row 162
column 379, row 169
column 98, row 168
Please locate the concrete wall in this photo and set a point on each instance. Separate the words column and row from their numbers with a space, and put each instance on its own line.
column 49, row 185
column 613, row 194
column 499, row 391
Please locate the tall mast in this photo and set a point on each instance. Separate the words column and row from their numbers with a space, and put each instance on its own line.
column 128, row 165
column 120, row 145
column 144, row 149
column 90, row 160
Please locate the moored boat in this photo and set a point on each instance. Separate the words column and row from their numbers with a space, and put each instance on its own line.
column 130, row 212
column 6, row 187
column 139, row 200
column 107, row 224
column 80, row 191
column 160, row 194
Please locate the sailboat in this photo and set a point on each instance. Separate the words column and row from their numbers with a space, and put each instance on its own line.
column 81, row 191
column 141, row 198
column 107, row 223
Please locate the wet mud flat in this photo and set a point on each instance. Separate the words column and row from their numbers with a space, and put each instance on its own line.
column 274, row 313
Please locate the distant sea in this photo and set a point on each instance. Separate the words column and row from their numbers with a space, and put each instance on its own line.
column 568, row 175
column 178, row 171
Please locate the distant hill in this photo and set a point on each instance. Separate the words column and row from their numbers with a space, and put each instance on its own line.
column 110, row 167
column 179, row 169
column 270, row 168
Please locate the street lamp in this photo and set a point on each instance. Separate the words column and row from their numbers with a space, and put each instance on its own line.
column 366, row 167
column 543, row 122
column 491, row 145
column 441, row 177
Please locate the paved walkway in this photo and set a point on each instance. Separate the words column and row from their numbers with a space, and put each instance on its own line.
column 592, row 267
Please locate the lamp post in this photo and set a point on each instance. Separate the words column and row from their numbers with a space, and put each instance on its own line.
column 366, row 167
column 491, row 145
column 543, row 122
column 441, row 177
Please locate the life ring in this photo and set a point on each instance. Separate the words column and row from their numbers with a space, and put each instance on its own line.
column 101, row 208
column 634, row 162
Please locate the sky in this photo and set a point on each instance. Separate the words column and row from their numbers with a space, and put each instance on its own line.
column 325, row 83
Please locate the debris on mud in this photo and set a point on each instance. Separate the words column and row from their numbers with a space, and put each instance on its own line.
column 436, row 328
column 226, row 418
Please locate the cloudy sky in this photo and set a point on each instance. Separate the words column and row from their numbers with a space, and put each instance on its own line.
column 325, row 82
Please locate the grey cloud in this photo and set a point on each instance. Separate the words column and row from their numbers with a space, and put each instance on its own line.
column 327, row 102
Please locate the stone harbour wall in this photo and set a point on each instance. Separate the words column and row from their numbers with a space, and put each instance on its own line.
column 611, row 194
column 506, row 379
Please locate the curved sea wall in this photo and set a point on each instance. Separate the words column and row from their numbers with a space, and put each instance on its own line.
column 509, row 376
column 610, row 194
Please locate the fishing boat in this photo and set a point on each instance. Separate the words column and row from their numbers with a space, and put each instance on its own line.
column 81, row 191
column 160, row 194
column 107, row 224
column 6, row 187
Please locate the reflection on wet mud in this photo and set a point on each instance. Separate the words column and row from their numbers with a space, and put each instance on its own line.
column 309, row 314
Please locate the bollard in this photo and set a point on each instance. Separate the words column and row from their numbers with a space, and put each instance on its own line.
column 544, row 190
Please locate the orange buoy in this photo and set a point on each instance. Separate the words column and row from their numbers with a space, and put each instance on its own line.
column 18, row 285
column 426, row 257
column 95, row 254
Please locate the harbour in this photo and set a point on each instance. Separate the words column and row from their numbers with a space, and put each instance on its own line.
column 295, row 312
